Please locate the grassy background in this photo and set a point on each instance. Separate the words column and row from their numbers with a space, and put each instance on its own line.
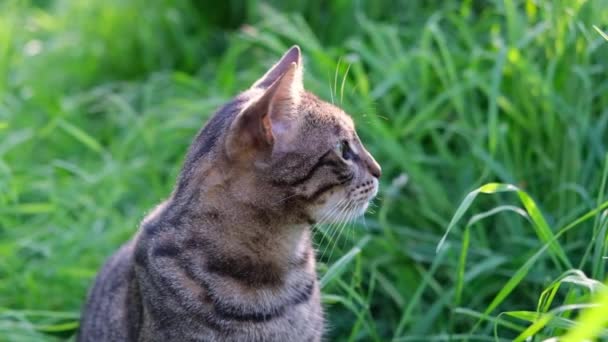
column 100, row 99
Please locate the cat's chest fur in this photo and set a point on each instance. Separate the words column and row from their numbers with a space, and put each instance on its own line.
column 192, row 313
column 195, row 288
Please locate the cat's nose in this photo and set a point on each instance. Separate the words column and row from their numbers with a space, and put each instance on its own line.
column 373, row 166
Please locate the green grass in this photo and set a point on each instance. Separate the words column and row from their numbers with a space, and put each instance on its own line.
column 100, row 99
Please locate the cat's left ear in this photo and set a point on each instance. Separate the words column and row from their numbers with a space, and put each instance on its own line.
column 269, row 122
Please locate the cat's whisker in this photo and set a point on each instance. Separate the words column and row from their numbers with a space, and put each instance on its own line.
column 331, row 92
column 351, row 232
column 346, row 224
column 365, row 223
column 284, row 199
column 324, row 233
column 326, row 217
column 328, row 214
column 331, row 230
column 343, row 222
column 343, row 82
column 349, row 218
column 353, row 219
column 336, row 78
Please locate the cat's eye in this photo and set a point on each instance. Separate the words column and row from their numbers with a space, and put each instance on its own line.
column 344, row 150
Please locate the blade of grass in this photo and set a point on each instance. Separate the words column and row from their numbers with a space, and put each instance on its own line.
column 540, row 224
column 339, row 266
column 591, row 321
column 524, row 269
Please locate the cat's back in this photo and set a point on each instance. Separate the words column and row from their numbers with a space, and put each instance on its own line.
column 113, row 301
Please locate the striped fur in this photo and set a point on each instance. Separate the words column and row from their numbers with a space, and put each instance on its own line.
column 228, row 257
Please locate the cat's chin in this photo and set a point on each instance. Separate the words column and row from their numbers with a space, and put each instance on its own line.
column 361, row 209
column 339, row 213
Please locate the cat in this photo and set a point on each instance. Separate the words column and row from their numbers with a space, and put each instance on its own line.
column 228, row 257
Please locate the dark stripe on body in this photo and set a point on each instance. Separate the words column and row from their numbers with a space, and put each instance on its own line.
column 167, row 291
column 229, row 312
column 245, row 271
column 250, row 274
column 166, row 250
column 237, row 314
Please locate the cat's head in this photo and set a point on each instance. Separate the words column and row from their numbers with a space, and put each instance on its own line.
column 278, row 147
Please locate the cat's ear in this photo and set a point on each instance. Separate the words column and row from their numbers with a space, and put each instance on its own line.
column 292, row 55
column 268, row 122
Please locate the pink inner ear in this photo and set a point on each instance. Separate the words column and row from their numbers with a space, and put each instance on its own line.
column 271, row 119
column 268, row 129
column 284, row 103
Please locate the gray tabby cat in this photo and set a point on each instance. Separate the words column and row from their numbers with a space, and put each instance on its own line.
column 228, row 256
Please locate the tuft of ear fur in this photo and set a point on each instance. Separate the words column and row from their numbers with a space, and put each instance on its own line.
column 293, row 55
column 268, row 122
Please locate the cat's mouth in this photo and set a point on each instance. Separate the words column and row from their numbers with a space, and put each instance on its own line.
column 363, row 192
column 362, row 195
column 349, row 204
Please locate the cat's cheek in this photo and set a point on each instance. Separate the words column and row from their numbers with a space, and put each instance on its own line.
column 376, row 187
column 327, row 208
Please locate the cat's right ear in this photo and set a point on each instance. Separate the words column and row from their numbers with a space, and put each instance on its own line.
column 293, row 55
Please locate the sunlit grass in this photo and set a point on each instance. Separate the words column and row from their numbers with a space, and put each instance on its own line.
column 100, row 99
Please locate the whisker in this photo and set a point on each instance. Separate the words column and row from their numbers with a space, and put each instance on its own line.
column 330, row 212
column 339, row 221
column 350, row 233
column 326, row 216
column 343, row 82
column 284, row 199
column 331, row 92
column 348, row 221
column 338, row 235
column 330, row 232
column 336, row 77
column 339, row 228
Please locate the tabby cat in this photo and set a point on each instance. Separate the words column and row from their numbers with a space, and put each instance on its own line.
column 228, row 257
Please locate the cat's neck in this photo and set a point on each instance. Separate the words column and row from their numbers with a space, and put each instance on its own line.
column 248, row 268
column 239, row 241
column 262, row 238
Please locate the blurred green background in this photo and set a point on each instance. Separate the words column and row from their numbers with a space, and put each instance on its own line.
column 100, row 99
